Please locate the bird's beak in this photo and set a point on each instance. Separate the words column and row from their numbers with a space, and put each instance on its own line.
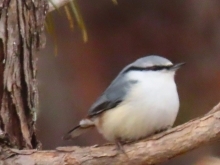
column 177, row 66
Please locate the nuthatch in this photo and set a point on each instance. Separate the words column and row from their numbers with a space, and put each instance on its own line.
column 140, row 101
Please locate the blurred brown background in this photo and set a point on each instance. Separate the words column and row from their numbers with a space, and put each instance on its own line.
column 179, row 30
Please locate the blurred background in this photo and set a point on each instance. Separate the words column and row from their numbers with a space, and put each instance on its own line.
column 182, row 31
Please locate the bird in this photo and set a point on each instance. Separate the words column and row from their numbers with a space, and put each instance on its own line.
column 141, row 101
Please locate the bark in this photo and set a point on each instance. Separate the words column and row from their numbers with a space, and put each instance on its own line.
column 21, row 33
column 155, row 149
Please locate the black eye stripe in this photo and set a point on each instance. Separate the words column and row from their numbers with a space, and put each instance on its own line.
column 159, row 67
column 153, row 68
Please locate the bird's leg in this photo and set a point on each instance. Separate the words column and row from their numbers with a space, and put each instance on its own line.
column 119, row 146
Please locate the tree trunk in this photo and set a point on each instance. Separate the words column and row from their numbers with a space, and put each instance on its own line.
column 21, row 33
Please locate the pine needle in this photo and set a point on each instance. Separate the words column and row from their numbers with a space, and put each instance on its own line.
column 69, row 17
column 79, row 19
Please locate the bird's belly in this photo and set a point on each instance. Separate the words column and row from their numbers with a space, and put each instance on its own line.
column 135, row 120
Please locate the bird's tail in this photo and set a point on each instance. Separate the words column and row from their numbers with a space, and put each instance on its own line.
column 83, row 126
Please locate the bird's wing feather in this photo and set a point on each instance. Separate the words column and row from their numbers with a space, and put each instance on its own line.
column 112, row 96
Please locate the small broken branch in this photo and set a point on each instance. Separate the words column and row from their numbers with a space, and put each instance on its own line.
column 53, row 4
column 156, row 149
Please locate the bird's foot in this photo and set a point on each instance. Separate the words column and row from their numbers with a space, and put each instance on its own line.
column 119, row 147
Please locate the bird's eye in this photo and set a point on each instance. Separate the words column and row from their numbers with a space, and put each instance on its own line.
column 155, row 68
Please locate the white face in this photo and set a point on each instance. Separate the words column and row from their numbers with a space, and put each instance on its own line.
column 148, row 75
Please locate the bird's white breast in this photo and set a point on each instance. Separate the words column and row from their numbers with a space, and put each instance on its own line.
column 150, row 105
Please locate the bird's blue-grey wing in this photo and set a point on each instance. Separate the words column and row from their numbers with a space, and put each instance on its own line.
column 112, row 96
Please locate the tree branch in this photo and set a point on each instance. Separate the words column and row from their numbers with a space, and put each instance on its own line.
column 155, row 149
column 57, row 4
